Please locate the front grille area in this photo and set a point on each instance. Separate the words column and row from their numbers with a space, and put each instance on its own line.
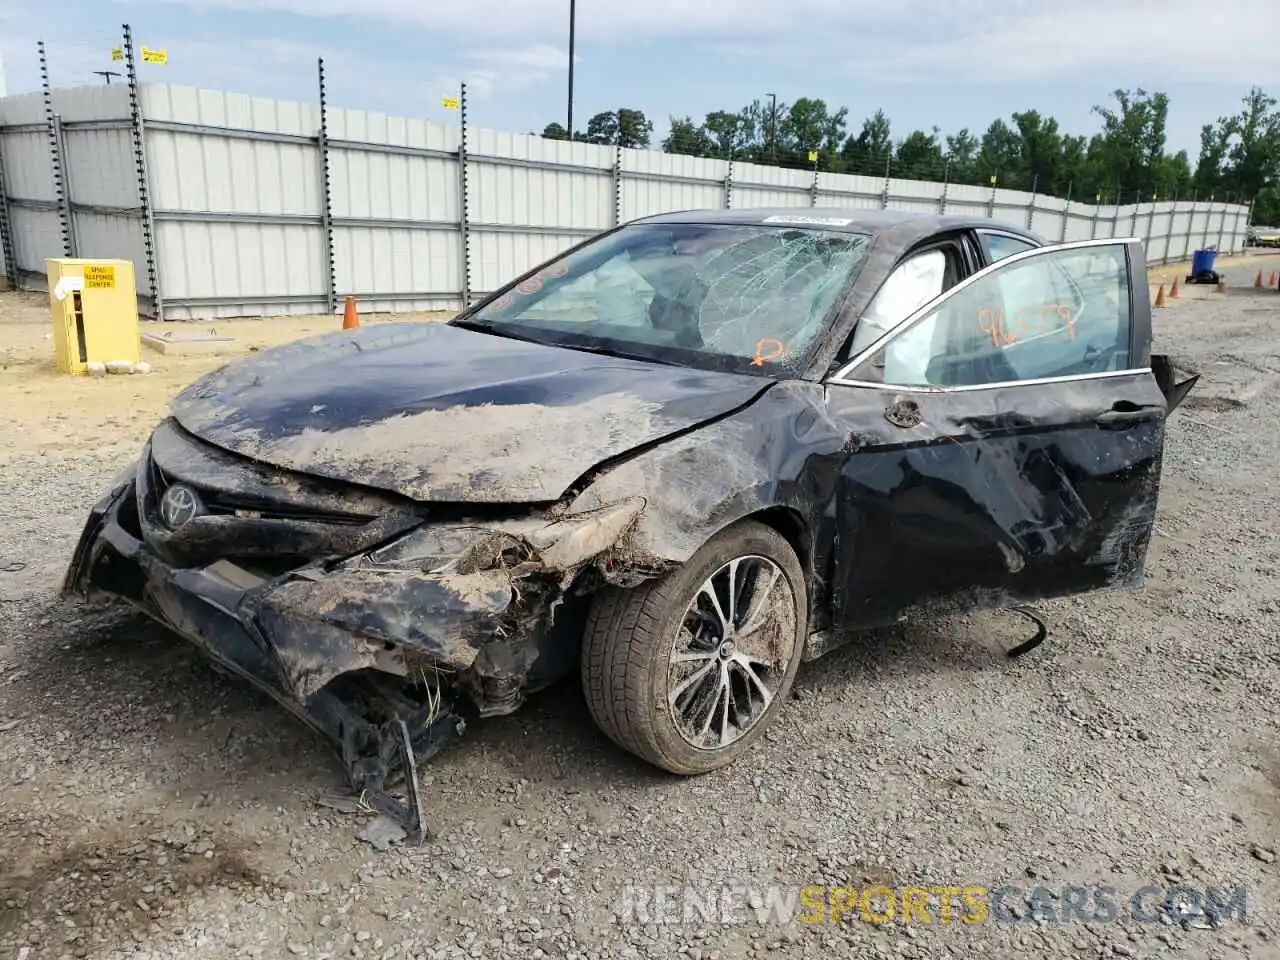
column 261, row 516
column 246, row 507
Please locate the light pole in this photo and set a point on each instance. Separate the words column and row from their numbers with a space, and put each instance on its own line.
column 573, row 17
column 773, row 128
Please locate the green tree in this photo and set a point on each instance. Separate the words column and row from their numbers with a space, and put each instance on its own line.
column 689, row 138
column 919, row 156
column 809, row 125
column 962, row 157
column 871, row 150
column 1132, row 140
column 624, row 127
column 1124, row 161
column 1000, row 156
column 738, row 134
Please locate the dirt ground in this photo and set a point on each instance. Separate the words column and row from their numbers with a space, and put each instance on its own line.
column 151, row 808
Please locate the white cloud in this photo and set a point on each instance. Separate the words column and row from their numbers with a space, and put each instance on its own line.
column 540, row 56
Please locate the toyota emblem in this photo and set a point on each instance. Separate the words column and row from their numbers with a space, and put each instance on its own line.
column 179, row 506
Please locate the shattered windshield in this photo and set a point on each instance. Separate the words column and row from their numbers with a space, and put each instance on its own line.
column 734, row 296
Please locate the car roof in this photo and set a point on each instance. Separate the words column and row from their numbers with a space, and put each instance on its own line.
column 906, row 227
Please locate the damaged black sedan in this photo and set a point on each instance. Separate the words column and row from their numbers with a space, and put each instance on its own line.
column 678, row 459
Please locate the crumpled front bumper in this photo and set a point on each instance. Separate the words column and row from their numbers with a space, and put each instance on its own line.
column 295, row 633
column 302, row 636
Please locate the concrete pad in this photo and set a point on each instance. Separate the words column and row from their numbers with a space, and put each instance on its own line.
column 188, row 342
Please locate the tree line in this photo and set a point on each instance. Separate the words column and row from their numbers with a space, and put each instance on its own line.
column 1126, row 161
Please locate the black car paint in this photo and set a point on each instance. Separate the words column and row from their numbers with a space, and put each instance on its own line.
column 886, row 495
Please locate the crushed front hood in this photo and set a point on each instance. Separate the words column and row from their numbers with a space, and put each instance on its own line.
column 439, row 413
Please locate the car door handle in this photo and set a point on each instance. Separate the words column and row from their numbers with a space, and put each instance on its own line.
column 1116, row 419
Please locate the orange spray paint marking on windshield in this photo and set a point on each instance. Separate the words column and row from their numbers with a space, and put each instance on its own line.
column 761, row 357
column 555, row 271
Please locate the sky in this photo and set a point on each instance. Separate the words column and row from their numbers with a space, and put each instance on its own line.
column 953, row 64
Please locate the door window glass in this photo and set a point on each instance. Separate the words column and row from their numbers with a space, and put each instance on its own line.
column 1059, row 313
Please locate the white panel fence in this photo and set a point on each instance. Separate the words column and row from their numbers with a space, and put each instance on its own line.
column 242, row 206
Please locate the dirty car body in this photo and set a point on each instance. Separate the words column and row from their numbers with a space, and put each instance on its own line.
column 390, row 527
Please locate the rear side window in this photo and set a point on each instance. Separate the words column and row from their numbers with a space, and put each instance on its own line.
column 1059, row 313
column 1001, row 245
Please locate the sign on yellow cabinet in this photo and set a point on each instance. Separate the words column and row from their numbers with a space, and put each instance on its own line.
column 99, row 277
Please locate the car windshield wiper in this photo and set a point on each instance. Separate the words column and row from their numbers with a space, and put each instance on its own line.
column 494, row 331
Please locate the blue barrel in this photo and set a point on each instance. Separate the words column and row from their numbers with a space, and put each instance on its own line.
column 1202, row 261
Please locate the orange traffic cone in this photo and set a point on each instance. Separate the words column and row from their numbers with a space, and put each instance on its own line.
column 1175, row 289
column 349, row 318
column 1272, row 281
column 1160, row 296
column 1257, row 284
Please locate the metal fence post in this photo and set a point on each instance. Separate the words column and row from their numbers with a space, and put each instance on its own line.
column 884, row 192
column 52, row 125
column 1097, row 213
column 1222, row 223
column 144, row 181
column 7, row 247
column 1151, row 222
column 1186, row 237
column 464, row 218
column 326, row 196
column 1133, row 220
column 1208, row 215
column 617, row 179
column 946, row 185
column 1031, row 204
column 813, row 188
column 991, row 202
column 728, row 186
column 1066, row 214
column 1115, row 218
column 71, row 236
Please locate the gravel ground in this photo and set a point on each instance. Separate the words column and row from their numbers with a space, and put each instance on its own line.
column 151, row 808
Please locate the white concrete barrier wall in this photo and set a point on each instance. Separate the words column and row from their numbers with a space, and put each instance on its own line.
column 238, row 197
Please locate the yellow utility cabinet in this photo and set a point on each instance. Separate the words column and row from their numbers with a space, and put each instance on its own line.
column 95, row 313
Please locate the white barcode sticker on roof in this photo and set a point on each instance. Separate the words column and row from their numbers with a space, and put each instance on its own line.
column 810, row 221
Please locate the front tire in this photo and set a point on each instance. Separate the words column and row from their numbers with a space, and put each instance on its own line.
column 688, row 670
